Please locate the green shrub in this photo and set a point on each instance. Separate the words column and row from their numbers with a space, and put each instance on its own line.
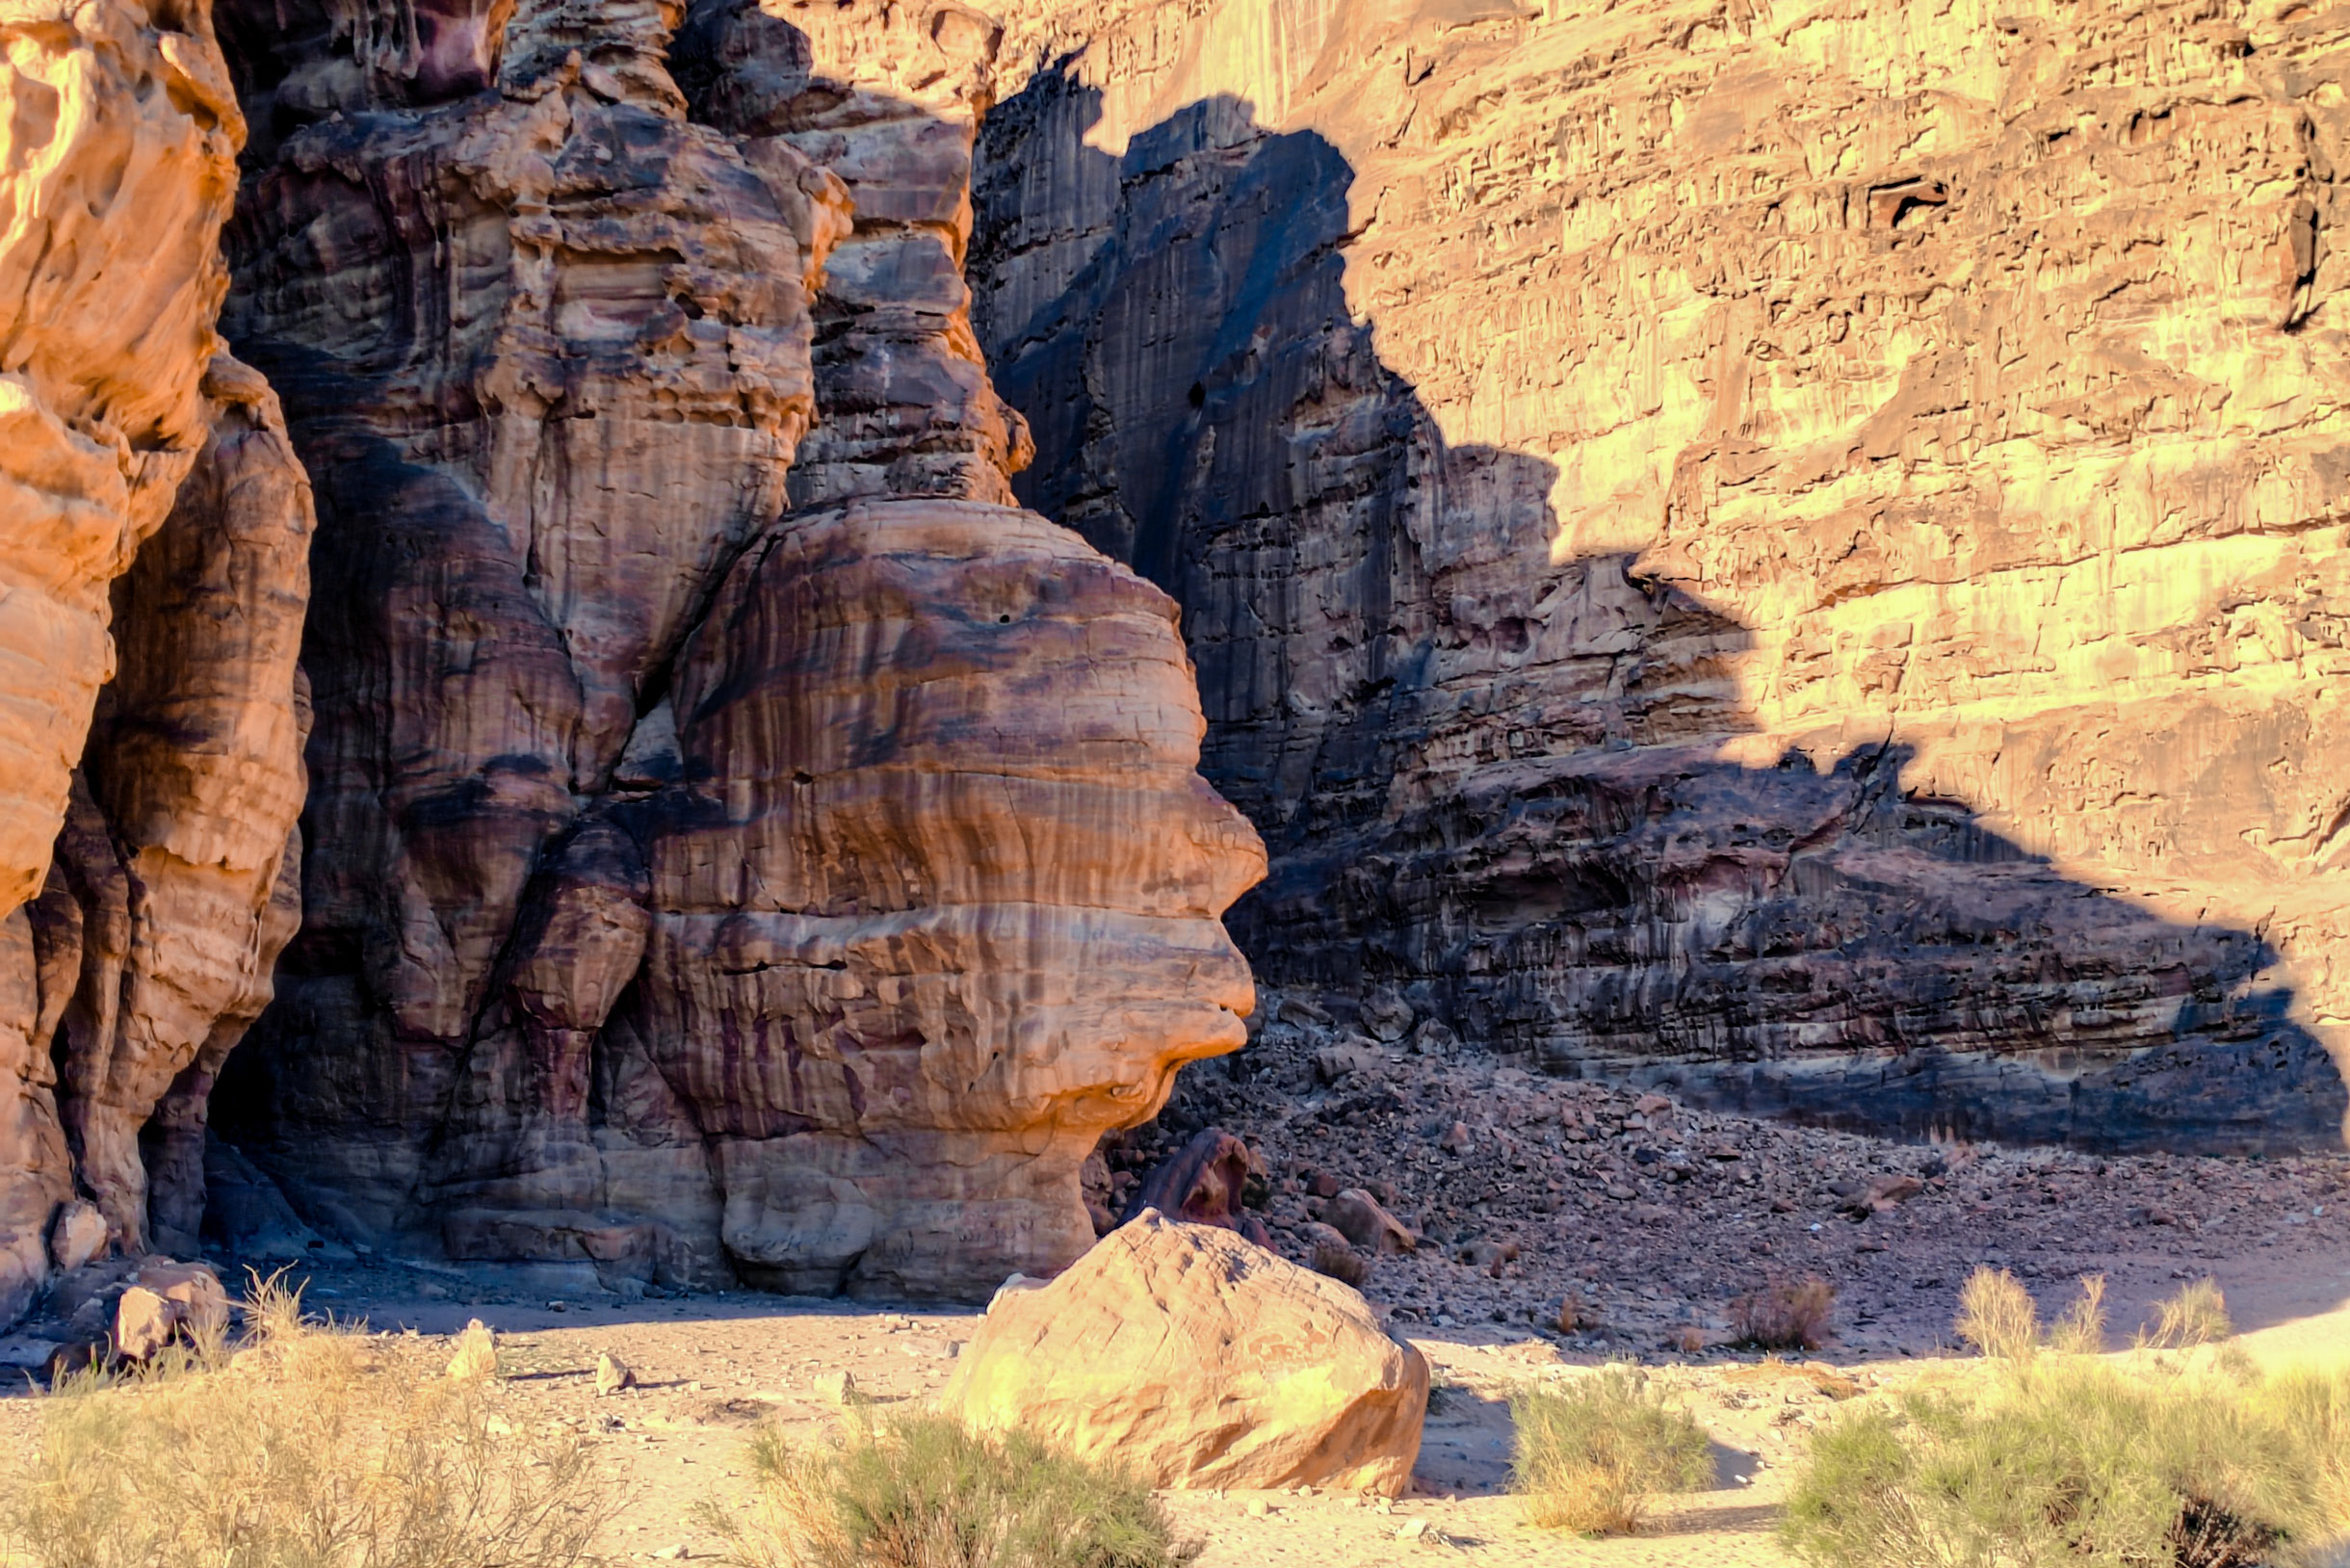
column 1592, row 1455
column 304, row 1448
column 2316, row 1404
column 922, row 1492
column 2082, row 1462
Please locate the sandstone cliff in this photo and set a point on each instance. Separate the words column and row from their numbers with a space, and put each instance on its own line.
column 1796, row 550
column 146, row 820
column 699, row 889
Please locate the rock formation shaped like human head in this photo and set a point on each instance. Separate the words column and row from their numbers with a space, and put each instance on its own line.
column 944, row 904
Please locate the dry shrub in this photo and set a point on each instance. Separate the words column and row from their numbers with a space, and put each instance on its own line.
column 922, row 1492
column 2081, row 1462
column 1341, row 1263
column 2198, row 1314
column 2317, row 1404
column 1591, row 1456
column 2070, row 1458
column 1771, row 1372
column 1784, row 1316
column 308, row 1447
column 1997, row 1316
column 2080, row 1331
column 1577, row 1312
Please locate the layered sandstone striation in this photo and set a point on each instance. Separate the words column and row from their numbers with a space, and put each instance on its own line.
column 145, row 825
column 546, row 349
column 1796, row 551
column 712, row 876
column 176, row 880
column 950, row 901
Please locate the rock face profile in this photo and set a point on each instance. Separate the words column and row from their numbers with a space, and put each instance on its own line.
column 955, row 908
column 699, row 890
column 156, row 540
column 1796, row 553
column 1195, row 1359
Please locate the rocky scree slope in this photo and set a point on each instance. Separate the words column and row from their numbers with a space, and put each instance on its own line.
column 1619, row 1221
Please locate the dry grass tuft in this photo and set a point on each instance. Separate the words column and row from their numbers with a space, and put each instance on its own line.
column 922, row 1492
column 2081, row 1462
column 1593, row 1455
column 307, row 1447
column 2081, row 1329
column 1784, row 1316
column 1998, row 1316
column 2198, row 1314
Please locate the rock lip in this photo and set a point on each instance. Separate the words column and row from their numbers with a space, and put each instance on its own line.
column 1196, row 1359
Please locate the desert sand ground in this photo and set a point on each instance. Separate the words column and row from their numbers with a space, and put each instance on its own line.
column 711, row 1367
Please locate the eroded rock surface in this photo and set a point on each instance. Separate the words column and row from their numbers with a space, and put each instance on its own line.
column 700, row 890
column 1796, row 552
column 177, row 877
column 949, row 896
column 547, row 349
column 136, row 941
column 1195, row 1359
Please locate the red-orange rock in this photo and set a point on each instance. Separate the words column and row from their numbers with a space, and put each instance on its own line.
column 116, row 170
column 177, row 878
column 700, row 890
column 166, row 1300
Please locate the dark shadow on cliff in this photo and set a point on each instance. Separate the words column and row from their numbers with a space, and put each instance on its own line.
column 1494, row 784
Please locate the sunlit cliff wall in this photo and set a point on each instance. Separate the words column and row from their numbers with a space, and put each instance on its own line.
column 1797, row 548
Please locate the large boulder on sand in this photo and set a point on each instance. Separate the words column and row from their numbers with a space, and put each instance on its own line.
column 1194, row 1358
